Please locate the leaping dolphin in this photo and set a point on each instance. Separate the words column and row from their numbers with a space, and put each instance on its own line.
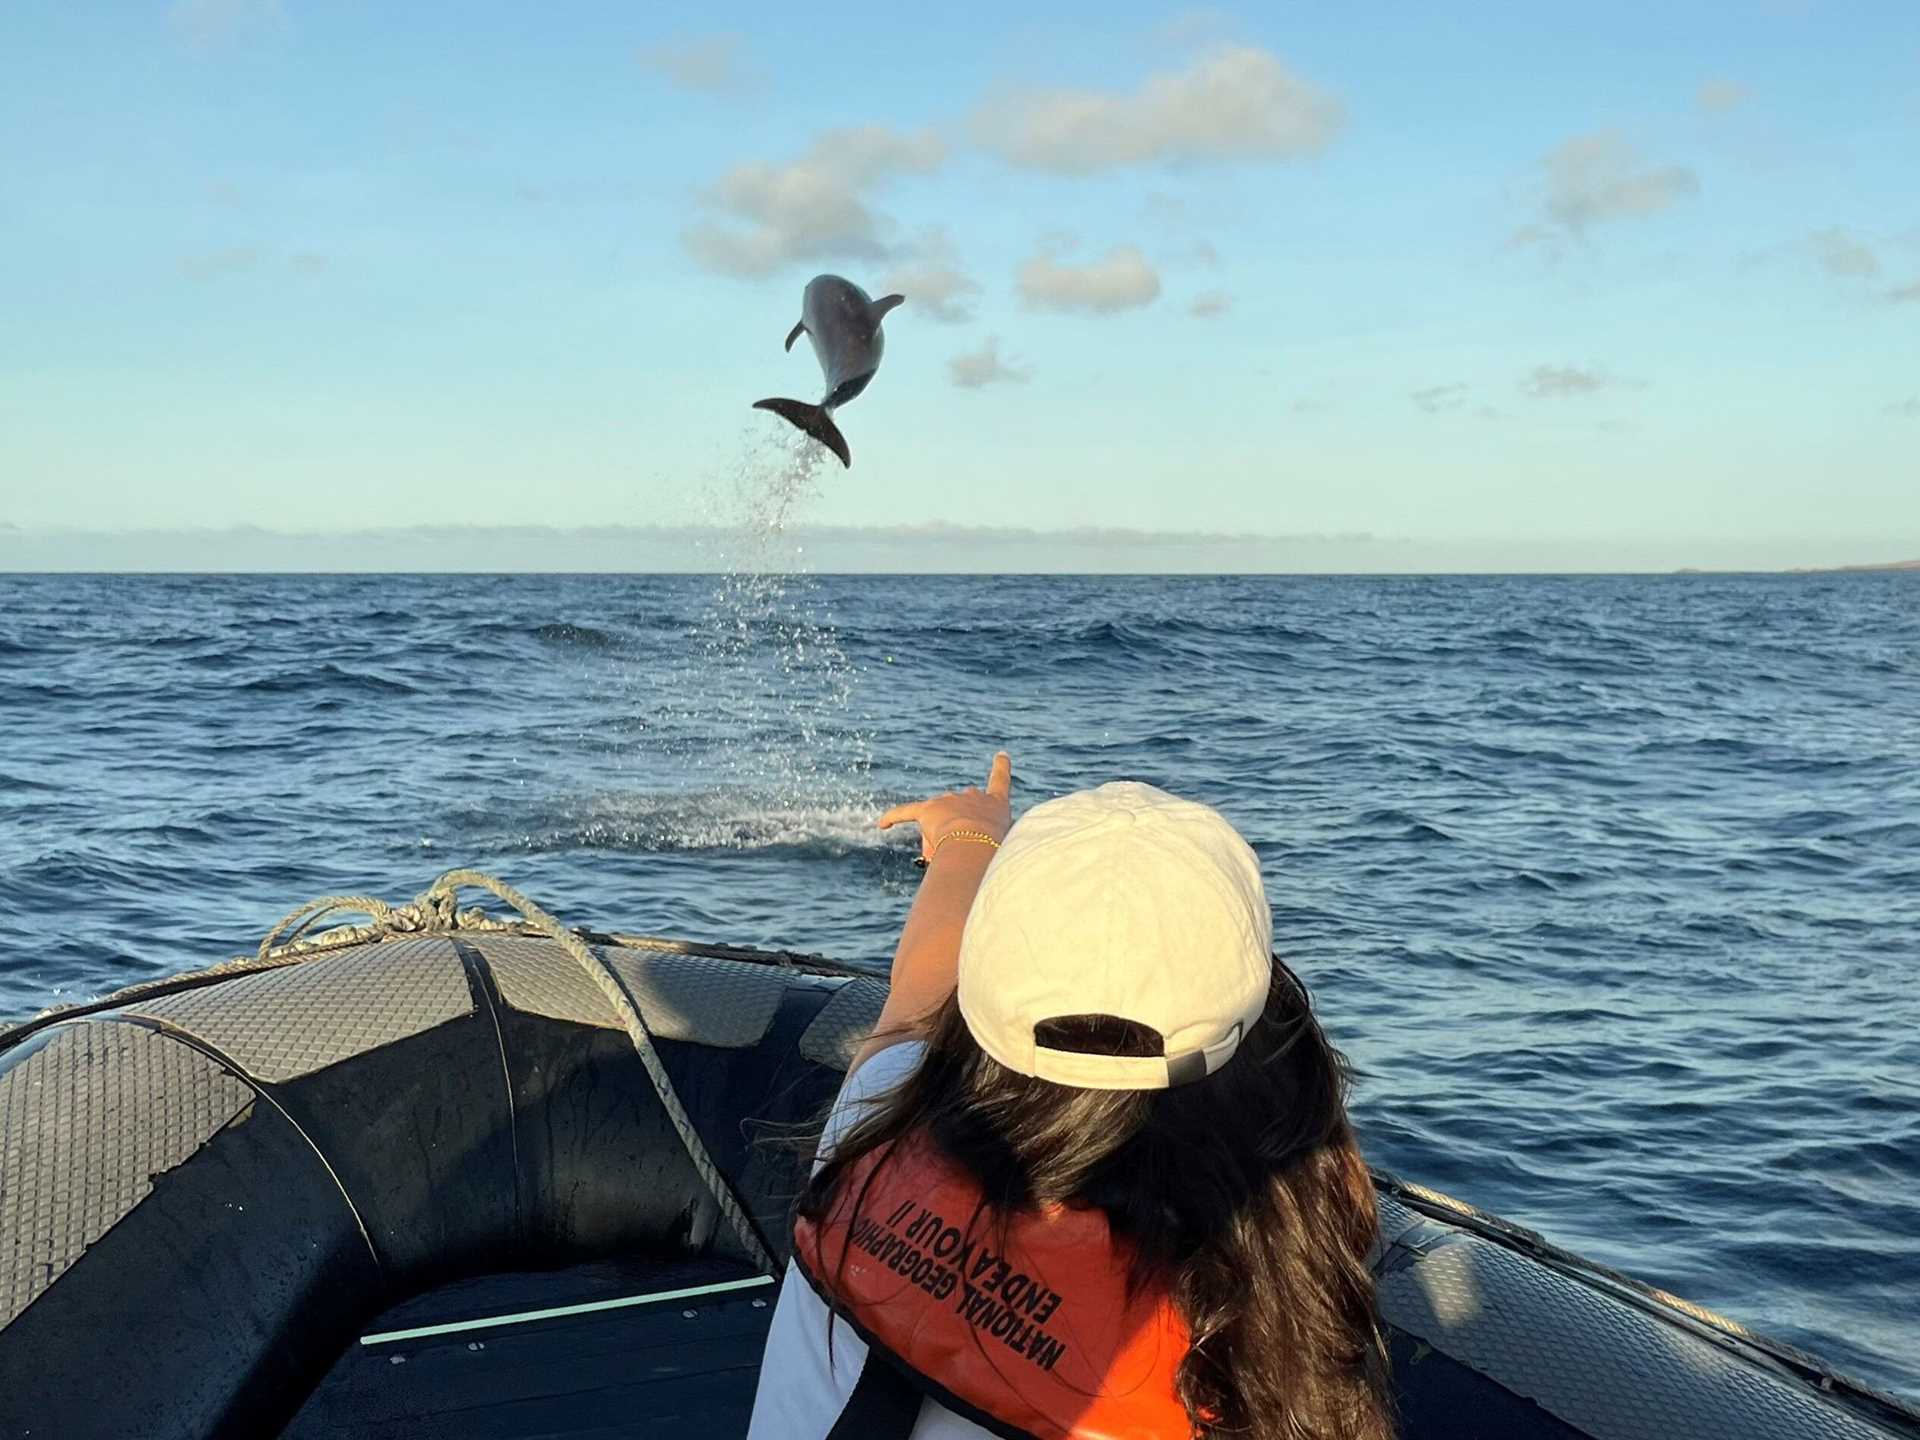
column 844, row 325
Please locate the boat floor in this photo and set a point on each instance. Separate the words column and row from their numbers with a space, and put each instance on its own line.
column 622, row 1350
column 637, row 1349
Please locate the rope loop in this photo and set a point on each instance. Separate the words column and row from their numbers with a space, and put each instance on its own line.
column 308, row 914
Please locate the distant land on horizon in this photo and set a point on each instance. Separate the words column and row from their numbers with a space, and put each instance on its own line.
column 1883, row 568
column 937, row 547
column 1851, row 569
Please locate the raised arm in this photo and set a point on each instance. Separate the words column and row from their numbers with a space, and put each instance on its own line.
column 924, row 963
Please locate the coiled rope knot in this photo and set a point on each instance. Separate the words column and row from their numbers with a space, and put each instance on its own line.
column 437, row 910
column 434, row 911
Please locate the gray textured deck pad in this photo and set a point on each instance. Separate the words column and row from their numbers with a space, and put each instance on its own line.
column 1395, row 1220
column 86, row 1122
column 844, row 1023
column 284, row 1023
column 723, row 1003
column 1602, row 1366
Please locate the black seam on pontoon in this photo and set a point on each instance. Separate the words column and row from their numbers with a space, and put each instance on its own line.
column 487, row 996
column 259, row 1088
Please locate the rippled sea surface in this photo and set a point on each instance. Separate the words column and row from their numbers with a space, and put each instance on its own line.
column 1610, row 886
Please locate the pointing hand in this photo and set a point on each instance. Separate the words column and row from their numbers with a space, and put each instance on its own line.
column 987, row 812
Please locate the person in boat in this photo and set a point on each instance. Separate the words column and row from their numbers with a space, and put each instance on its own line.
column 1091, row 1175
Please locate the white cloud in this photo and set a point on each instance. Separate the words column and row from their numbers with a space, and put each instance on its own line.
column 929, row 275
column 1596, row 178
column 1717, row 97
column 1451, row 398
column 1435, row 398
column 217, row 263
column 1122, row 280
column 812, row 208
column 708, row 63
column 1556, row 382
column 1545, row 238
column 934, row 289
column 1844, row 255
column 1213, row 302
column 307, row 262
column 207, row 23
column 1235, row 103
column 974, row 369
column 1905, row 294
column 1905, row 409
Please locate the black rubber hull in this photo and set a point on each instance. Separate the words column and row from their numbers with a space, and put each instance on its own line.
column 208, row 1198
column 294, row 1207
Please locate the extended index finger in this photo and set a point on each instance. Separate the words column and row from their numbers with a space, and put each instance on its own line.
column 1000, row 776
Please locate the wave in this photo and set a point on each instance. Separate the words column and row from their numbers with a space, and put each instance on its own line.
column 1711, row 847
column 584, row 637
column 701, row 821
column 330, row 677
column 1135, row 633
column 475, row 636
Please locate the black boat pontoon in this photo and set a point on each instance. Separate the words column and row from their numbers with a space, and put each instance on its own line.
column 449, row 1176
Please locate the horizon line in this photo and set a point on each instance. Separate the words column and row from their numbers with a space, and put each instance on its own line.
column 935, row 532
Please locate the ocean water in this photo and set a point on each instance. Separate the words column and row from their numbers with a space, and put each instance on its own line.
column 1610, row 886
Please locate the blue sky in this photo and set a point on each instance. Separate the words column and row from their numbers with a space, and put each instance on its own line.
column 1501, row 271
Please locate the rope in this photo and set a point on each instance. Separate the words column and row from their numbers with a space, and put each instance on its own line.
column 434, row 909
column 400, row 920
column 438, row 901
column 429, row 912
column 378, row 910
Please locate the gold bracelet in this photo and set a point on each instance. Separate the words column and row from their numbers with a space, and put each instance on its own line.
column 977, row 836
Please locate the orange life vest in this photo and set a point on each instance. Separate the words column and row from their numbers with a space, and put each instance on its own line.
column 1036, row 1337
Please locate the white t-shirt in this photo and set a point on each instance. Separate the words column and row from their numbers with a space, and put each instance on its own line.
column 799, row 1397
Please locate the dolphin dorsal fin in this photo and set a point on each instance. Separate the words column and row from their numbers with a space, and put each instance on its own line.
column 879, row 308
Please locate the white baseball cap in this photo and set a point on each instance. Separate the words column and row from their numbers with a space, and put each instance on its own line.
column 1123, row 901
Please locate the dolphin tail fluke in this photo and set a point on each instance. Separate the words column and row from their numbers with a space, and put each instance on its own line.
column 814, row 420
column 799, row 329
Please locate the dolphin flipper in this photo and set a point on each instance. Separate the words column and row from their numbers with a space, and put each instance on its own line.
column 878, row 310
column 814, row 420
column 799, row 329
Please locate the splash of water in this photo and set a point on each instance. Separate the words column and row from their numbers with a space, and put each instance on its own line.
column 751, row 504
column 696, row 820
column 767, row 680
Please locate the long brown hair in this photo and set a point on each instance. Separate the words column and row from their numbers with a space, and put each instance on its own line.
column 1243, row 1194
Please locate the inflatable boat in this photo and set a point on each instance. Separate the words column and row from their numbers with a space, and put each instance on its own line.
column 451, row 1174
